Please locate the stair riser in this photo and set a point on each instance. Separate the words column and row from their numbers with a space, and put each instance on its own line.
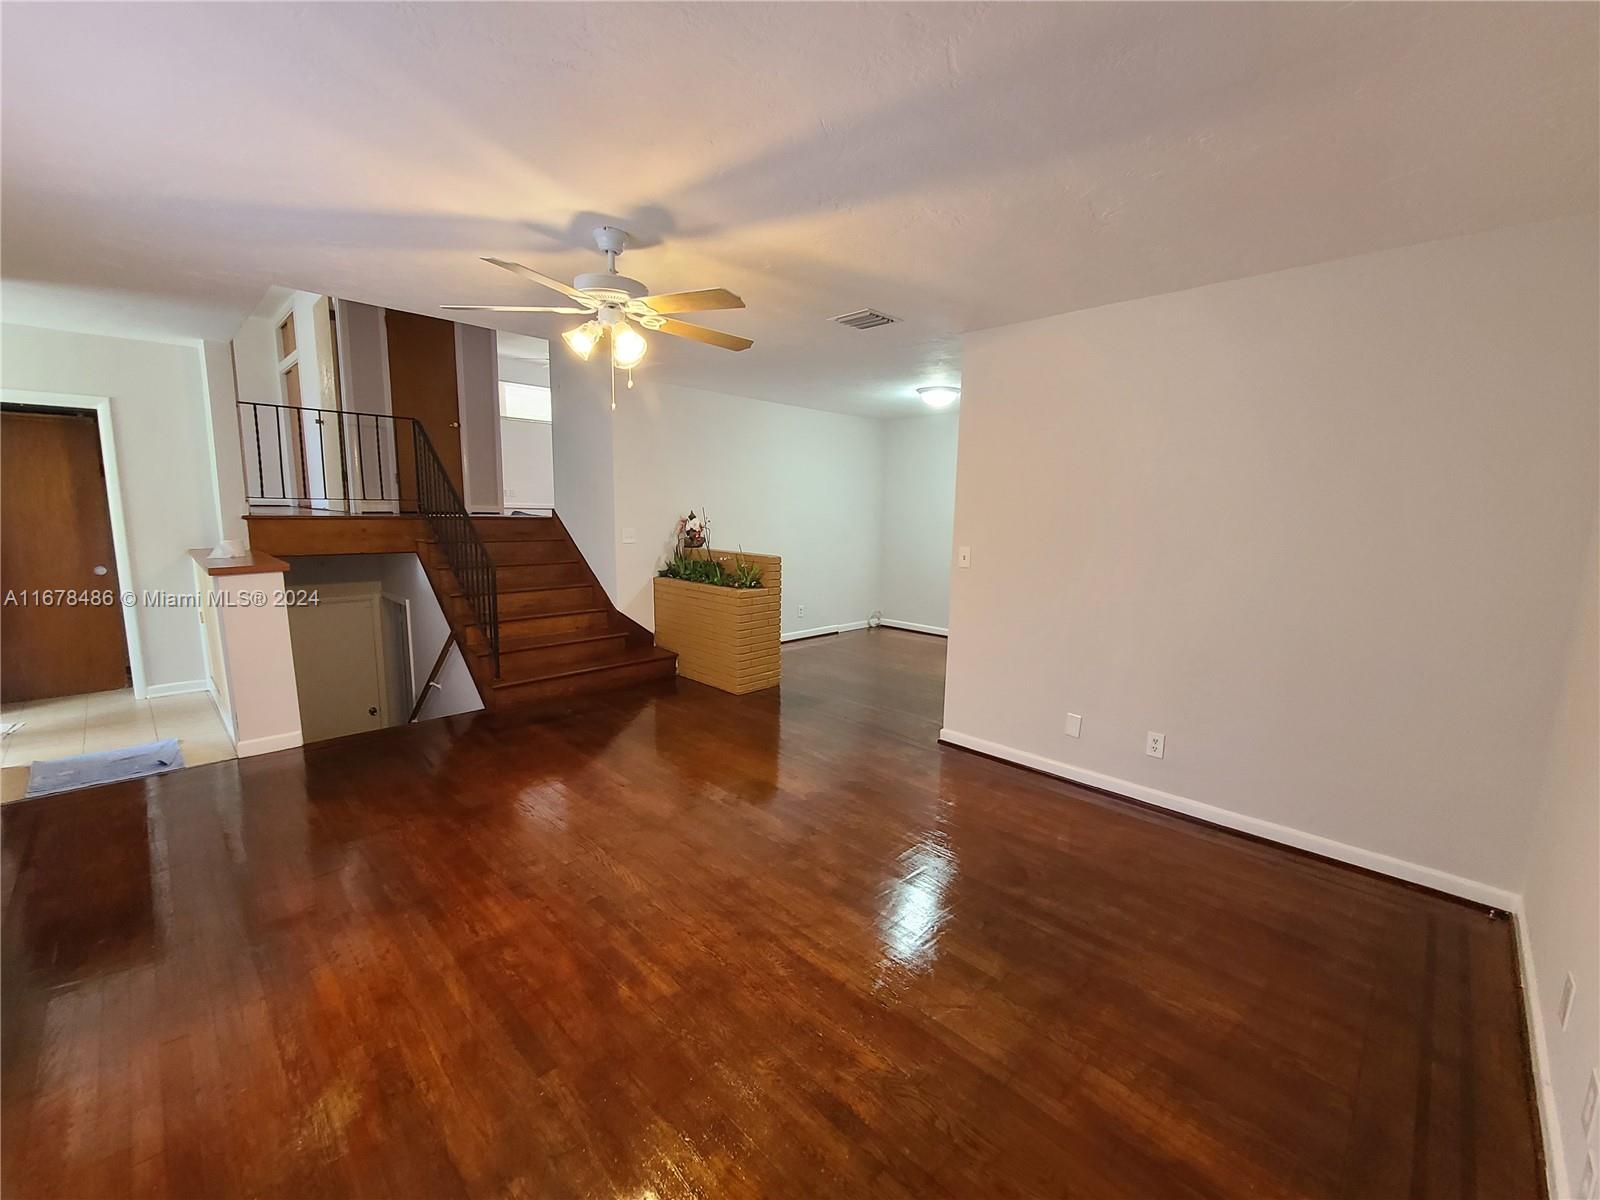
column 553, row 600
column 623, row 675
column 514, row 553
column 514, row 605
column 545, row 627
column 518, row 529
column 540, row 574
column 530, row 664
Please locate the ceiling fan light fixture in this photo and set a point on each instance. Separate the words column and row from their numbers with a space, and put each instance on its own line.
column 939, row 397
column 627, row 346
column 582, row 340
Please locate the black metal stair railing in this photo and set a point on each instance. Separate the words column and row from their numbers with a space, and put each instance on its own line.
column 291, row 459
column 451, row 523
column 322, row 458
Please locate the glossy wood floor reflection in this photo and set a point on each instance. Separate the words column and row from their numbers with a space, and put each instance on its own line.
column 686, row 944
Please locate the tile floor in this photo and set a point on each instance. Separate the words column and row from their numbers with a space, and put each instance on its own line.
column 71, row 725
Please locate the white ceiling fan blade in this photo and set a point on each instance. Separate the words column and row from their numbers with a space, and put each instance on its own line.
column 699, row 333
column 566, row 289
column 704, row 300
column 514, row 308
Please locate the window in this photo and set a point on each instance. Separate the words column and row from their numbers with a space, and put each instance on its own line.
column 524, row 401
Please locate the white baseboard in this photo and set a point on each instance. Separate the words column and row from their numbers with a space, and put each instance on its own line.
column 940, row 630
column 821, row 630
column 266, row 745
column 1455, row 885
column 182, row 687
column 1555, row 1162
column 223, row 714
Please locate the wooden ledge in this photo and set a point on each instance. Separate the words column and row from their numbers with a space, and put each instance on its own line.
column 253, row 563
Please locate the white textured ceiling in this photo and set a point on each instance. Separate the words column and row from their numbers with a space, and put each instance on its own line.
column 958, row 166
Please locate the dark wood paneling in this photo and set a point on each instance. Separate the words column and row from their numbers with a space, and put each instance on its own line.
column 422, row 384
column 56, row 531
column 308, row 535
column 680, row 943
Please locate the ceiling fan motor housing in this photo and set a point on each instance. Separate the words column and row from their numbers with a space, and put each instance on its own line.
column 609, row 288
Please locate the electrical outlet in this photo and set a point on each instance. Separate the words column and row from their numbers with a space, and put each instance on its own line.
column 964, row 556
column 1074, row 724
column 1155, row 745
column 629, row 536
column 1569, row 992
column 799, row 610
column 1586, row 1187
column 1589, row 1098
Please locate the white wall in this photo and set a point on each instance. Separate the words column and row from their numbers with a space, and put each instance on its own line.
column 919, row 510
column 478, row 399
column 1321, row 528
column 364, row 388
column 158, row 410
column 774, row 479
column 222, row 429
column 585, row 462
column 527, row 465
column 1561, row 896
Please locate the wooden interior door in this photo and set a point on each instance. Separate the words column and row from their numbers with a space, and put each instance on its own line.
column 55, row 534
column 422, row 384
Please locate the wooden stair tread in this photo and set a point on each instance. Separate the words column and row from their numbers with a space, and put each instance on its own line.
column 628, row 658
column 545, row 641
column 565, row 612
column 457, row 589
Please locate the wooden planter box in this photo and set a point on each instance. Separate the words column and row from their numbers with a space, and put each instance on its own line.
column 724, row 637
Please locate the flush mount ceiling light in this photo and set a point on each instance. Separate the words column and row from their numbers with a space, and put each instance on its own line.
column 939, row 397
column 615, row 304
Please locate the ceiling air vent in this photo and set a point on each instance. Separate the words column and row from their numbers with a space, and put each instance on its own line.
column 865, row 318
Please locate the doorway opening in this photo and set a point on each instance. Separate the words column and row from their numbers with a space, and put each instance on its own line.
column 70, row 678
column 63, row 629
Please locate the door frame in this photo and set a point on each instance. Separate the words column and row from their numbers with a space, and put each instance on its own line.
column 101, row 406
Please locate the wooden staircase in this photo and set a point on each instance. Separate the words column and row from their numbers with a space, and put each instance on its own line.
column 560, row 635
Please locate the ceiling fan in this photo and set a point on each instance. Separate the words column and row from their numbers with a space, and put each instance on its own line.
column 615, row 303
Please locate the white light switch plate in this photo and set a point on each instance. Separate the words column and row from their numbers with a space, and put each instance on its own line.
column 1074, row 724
column 964, row 556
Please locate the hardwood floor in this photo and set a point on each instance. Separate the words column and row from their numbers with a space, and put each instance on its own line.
column 679, row 943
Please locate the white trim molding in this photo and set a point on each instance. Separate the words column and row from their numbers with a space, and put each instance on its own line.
column 266, row 745
column 101, row 407
column 1555, row 1163
column 1372, row 860
column 224, row 713
column 936, row 630
column 182, row 687
column 821, row 631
